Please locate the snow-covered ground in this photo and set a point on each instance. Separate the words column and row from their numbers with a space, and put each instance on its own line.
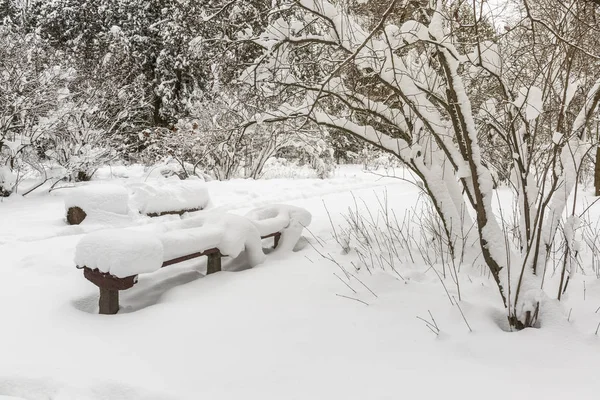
column 281, row 330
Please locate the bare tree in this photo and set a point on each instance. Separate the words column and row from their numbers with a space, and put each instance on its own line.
column 408, row 88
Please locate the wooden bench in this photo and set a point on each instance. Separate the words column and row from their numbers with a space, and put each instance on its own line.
column 153, row 199
column 113, row 259
column 169, row 197
column 110, row 285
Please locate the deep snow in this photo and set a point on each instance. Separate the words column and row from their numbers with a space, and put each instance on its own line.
column 278, row 330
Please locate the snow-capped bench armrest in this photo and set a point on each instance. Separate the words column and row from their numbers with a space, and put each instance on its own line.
column 287, row 219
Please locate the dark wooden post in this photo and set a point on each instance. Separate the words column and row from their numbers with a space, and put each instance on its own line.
column 214, row 262
column 597, row 172
column 276, row 238
column 75, row 215
column 109, row 301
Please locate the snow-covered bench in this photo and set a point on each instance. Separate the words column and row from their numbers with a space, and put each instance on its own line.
column 169, row 196
column 154, row 198
column 112, row 259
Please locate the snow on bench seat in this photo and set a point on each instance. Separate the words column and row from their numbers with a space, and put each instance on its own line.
column 169, row 196
column 180, row 243
column 229, row 233
column 120, row 252
column 287, row 219
column 87, row 199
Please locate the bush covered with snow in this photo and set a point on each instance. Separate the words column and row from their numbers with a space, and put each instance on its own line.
column 438, row 117
column 7, row 181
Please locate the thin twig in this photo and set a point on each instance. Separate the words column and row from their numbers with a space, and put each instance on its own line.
column 361, row 282
column 352, row 298
column 350, row 287
column 463, row 315
column 433, row 319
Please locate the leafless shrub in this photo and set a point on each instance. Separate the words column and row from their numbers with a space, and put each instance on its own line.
column 381, row 239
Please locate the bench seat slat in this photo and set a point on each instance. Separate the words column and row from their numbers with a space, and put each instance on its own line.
column 189, row 257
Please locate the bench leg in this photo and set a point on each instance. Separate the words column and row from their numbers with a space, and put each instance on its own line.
column 276, row 240
column 214, row 263
column 109, row 301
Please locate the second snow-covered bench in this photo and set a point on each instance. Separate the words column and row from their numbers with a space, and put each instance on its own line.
column 153, row 199
column 112, row 259
column 169, row 196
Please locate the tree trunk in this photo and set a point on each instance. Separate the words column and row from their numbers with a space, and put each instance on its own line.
column 597, row 172
column 157, row 104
